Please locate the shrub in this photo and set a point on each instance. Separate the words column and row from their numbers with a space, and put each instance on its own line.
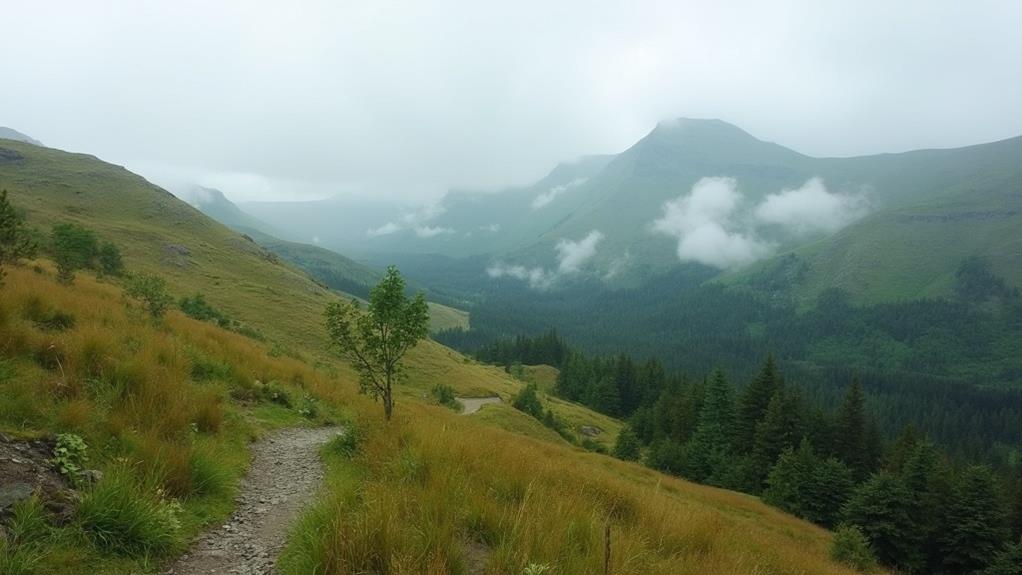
column 527, row 401
column 15, row 242
column 151, row 290
column 851, row 548
column 347, row 444
column 70, row 454
column 308, row 407
column 627, row 446
column 122, row 518
column 196, row 307
column 110, row 261
column 73, row 248
column 444, row 395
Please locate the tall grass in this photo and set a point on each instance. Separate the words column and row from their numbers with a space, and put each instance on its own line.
column 435, row 488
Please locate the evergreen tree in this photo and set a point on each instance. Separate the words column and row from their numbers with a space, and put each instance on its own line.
column 1007, row 562
column 627, row 446
column 851, row 431
column 781, row 428
column 527, row 401
column 753, row 404
column 975, row 526
column 809, row 486
column 709, row 449
column 902, row 449
column 606, row 397
column 881, row 507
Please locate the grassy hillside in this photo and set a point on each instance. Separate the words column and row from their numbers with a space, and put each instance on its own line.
column 166, row 407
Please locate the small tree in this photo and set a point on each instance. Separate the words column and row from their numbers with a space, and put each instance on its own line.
column 627, row 446
column 375, row 341
column 527, row 401
column 110, row 261
column 15, row 243
column 151, row 290
column 74, row 248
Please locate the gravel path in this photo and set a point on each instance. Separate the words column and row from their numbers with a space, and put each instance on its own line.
column 285, row 473
column 474, row 404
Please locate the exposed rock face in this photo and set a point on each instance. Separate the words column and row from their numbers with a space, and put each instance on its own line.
column 25, row 471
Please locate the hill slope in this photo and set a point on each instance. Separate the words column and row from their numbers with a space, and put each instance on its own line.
column 162, row 393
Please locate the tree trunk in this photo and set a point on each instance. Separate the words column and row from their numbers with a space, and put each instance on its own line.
column 388, row 400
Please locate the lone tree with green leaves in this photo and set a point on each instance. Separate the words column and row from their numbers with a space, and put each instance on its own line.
column 151, row 290
column 375, row 340
column 15, row 242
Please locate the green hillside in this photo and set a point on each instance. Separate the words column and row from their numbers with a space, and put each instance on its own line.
column 167, row 409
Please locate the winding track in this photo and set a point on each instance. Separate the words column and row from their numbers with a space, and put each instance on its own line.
column 285, row 472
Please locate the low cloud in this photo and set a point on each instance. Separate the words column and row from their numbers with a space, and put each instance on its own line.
column 432, row 231
column 550, row 195
column 712, row 228
column 571, row 257
column 415, row 220
column 537, row 277
column 493, row 228
column 811, row 208
column 704, row 224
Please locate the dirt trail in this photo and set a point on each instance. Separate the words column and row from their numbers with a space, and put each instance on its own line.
column 285, row 472
column 474, row 404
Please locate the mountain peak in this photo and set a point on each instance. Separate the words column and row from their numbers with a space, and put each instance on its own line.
column 12, row 134
column 707, row 141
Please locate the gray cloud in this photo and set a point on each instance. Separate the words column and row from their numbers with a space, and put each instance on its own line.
column 405, row 100
column 571, row 255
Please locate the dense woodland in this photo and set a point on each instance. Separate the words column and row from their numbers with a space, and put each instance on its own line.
column 832, row 466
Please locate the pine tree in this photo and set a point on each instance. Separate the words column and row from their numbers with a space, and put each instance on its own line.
column 851, row 431
column 605, row 396
column 1007, row 562
column 710, row 447
column 975, row 526
column 881, row 507
column 781, row 428
column 627, row 446
column 753, row 404
column 809, row 486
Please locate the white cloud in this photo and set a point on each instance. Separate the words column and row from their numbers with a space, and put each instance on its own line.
column 414, row 220
column 711, row 229
column 385, row 229
column 432, row 231
column 811, row 208
column 537, row 277
column 702, row 223
column 571, row 254
column 548, row 196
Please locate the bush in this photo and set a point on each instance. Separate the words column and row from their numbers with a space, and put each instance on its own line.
column 196, row 307
column 15, row 242
column 527, row 401
column 122, row 518
column 308, row 407
column 444, row 395
column 70, row 455
column 627, row 446
column 851, row 548
column 110, row 261
column 347, row 444
column 73, row 248
column 151, row 290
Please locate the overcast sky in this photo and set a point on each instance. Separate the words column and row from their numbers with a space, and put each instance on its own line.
column 403, row 100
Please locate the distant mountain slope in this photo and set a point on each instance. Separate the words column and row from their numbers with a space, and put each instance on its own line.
column 214, row 204
column 12, row 134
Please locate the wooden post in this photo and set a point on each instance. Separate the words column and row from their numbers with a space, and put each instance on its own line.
column 606, row 549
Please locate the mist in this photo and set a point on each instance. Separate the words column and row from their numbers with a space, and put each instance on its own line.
column 399, row 101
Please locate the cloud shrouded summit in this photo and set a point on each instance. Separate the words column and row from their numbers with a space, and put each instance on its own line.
column 267, row 100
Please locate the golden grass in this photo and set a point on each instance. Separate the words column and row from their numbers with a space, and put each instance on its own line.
column 429, row 486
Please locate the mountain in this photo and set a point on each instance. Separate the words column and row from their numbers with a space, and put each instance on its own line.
column 12, row 134
column 215, row 204
column 328, row 267
column 167, row 409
